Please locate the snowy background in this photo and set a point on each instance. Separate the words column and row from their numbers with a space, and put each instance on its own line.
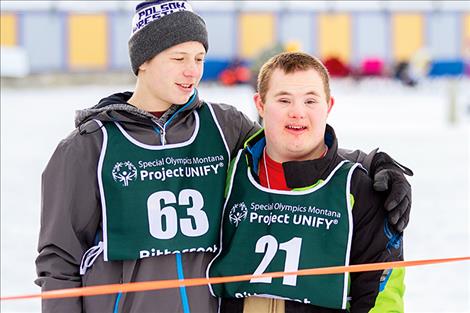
column 410, row 124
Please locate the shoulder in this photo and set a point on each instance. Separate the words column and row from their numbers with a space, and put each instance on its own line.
column 360, row 178
column 358, row 156
column 227, row 112
column 73, row 165
column 86, row 133
column 83, row 143
column 235, row 125
column 362, row 186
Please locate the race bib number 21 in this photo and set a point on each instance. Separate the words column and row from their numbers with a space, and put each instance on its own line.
column 163, row 218
column 269, row 246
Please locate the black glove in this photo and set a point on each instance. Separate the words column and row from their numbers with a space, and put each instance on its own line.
column 389, row 176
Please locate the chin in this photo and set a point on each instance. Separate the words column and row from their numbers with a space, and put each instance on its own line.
column 181, row 101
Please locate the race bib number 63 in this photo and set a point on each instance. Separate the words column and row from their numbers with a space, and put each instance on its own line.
column 163, row 218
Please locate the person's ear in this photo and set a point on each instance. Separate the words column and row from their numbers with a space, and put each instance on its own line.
column 259, row 104
column 331, row 104
column 143, row 66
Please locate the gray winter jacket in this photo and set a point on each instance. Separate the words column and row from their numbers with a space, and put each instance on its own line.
column 71, row 211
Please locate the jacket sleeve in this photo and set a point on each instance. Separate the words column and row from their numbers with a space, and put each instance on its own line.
column 236, row 126
column 374, row 161
column 70, row 216
column 373, row 241
column 358, row 156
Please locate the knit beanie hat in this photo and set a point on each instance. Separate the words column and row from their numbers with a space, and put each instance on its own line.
column 159, row 25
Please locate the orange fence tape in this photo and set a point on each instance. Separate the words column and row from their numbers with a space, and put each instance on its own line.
column 166, row 284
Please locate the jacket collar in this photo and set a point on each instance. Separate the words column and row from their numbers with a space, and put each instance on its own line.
column 301, row 174
column 298, row 174
column 116, row 108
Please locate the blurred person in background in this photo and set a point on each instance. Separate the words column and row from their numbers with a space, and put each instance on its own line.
column 235, row 73
column 135, row 192
column 292, row 189
column 266, row 54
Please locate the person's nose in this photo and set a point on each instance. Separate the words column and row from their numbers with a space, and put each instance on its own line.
column 297, row 110
column 191, row 69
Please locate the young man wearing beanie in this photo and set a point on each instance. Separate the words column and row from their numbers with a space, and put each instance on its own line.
column 135, row 193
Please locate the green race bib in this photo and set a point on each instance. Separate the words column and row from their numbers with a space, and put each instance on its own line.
column 158, row 200
column 268, row 230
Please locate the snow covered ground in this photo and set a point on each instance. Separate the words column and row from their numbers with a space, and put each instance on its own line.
column 410, row 124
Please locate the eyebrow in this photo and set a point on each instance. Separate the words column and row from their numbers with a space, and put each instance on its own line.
column 285, row 93
column 182, row 52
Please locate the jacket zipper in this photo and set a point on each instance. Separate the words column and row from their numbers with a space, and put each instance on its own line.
column 160, row 133
column 162, row 136
column 163, row 132
column 118, row 299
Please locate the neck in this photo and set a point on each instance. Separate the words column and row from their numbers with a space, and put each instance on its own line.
column 317, row 153
column 143, row 99
column 320, row 152
column 271, row 173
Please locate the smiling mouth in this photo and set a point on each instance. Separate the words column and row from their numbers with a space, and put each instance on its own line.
column 296, row 127
column 185, row 86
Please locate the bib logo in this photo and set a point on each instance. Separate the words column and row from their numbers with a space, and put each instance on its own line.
column 238, row 213
column 124, row 172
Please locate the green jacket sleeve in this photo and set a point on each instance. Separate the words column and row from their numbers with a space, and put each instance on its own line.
column 392, row 290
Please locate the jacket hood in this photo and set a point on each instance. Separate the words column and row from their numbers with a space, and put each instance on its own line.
column 116, row 108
